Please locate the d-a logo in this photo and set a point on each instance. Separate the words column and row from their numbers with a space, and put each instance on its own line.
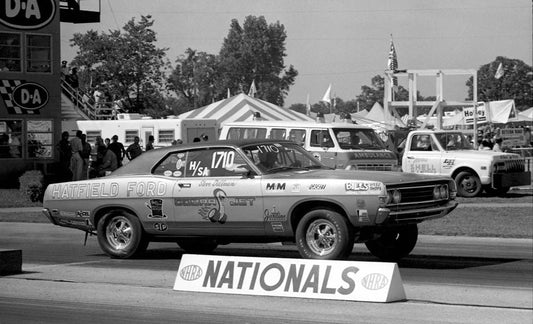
column 30, row 96
column 27, row 14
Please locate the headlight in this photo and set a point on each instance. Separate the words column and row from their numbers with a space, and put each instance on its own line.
column 394, row 197
column 436, row 192
column 444, row 192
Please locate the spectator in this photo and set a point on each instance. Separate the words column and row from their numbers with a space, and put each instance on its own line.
column 204, row 137
column 196, row 139
column 85, row 154
column 65, row 154
column 109, row 162
column 177, row 142
column 116, row 147
column 72, row 79
column 134, row 150
column 76, row 161
column 150, row 144
column 497, row 145
column 107, row 142
column 64, row 69
column 99, row 97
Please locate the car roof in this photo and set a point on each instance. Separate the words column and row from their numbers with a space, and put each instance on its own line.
column 295, row 124
column 146, row 161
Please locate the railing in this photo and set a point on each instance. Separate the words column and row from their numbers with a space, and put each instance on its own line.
column 85, row 103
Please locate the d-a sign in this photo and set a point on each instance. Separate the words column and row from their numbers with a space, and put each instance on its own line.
column 320, row 279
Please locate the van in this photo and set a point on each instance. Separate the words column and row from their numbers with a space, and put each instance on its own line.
column 342, row 145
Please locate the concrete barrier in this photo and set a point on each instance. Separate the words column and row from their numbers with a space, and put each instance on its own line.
column 10, row 262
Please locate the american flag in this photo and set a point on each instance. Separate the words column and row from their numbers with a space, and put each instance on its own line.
column 392, row 62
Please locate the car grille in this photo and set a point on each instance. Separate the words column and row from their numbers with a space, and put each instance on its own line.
column 510, row 166
column 376, row 167
column 417, row 197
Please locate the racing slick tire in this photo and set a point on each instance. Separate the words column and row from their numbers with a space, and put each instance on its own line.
column 468, row 184
column 198, row 246
column 496, row 191
column 120, row 235
column 394, row 243
column 324, row 234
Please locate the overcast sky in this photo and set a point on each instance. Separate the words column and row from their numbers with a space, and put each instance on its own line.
column 342, row 42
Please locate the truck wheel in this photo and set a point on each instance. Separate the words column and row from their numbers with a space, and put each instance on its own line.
column 324, row 234
column 198, row 246
column 120, row 235
column 468, row 184
column 496, row 191
column 395, row 243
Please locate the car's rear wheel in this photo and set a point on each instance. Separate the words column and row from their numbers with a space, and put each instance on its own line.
column 394, row 243
column 120, row 235
column 198, row 246
column 468, row 184
column 324, row 234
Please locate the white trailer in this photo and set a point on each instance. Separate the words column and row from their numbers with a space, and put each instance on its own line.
column 165, row 131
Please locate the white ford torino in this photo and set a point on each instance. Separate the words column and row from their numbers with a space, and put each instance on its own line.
column 205, row 194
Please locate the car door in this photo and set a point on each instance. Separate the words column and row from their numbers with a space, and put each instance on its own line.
column 211, row 196
column 322, row 146
column 424, row 155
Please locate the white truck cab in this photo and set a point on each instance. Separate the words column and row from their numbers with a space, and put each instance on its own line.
column 341, row 145
column 450, row 153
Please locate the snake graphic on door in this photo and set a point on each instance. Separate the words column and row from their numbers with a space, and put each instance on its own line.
column 218, row 214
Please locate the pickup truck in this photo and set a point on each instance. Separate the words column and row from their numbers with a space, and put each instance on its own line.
column 451, row 153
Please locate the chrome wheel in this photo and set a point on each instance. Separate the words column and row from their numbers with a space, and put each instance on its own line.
column 119, row 233
column 321, row 236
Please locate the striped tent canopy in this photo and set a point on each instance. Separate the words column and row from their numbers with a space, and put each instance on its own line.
column 242, row 108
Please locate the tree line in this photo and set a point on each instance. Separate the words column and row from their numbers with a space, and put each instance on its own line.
column 131, row 67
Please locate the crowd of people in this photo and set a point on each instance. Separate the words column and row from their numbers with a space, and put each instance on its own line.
column 79, row 160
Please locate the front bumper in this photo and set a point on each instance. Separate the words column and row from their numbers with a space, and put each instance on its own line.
column 68, row 220
column 515, row 179
column 421, row 214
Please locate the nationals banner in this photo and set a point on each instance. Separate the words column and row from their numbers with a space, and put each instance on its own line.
column 322, row 279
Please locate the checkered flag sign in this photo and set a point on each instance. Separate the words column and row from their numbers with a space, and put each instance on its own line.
column 6, row 91
column 392, row 62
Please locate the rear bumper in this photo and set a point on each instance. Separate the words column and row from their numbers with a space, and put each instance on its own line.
column 72, row 221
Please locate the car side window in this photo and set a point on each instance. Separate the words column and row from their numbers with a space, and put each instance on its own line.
column 213, row 162
column 321, row 138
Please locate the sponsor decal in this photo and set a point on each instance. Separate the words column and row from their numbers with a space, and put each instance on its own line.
column 146, row 189
column 27, row 14
column 30, row 96
column 84, row 190
column 296, row 187
column 275, row 186
column 7, row 87
column 273, row 214
column 448, row 163
column 83, row 213
column 197, row 169
column 277, row 227
column 167, row 173
column 184, row 185
column 361, row 203
column 324, row 279
column 177, row 173
column 422, row 168
column 161, row 227
column 374, row 281
column 362, row 216
column 316, row 187
column 361, row 186
column 317, row 156
column 156, row 207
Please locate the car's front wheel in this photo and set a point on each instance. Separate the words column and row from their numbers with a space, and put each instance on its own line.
column 120, row 235
column 394, row 243
column 324, row 234
column 468, row 184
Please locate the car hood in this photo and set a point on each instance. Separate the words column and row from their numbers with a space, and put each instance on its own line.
column 388, row 177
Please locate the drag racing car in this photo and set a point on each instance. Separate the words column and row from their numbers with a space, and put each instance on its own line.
column 205, row 194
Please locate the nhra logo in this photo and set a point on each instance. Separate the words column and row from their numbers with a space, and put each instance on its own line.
column 30, row 96
column 191, row 272
column 275, row 186
column 374, row 281
column 27, row 14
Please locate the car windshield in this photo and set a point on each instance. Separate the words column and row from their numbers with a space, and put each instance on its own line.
column 277, row 157
column 454, row 141
column 361, row 139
